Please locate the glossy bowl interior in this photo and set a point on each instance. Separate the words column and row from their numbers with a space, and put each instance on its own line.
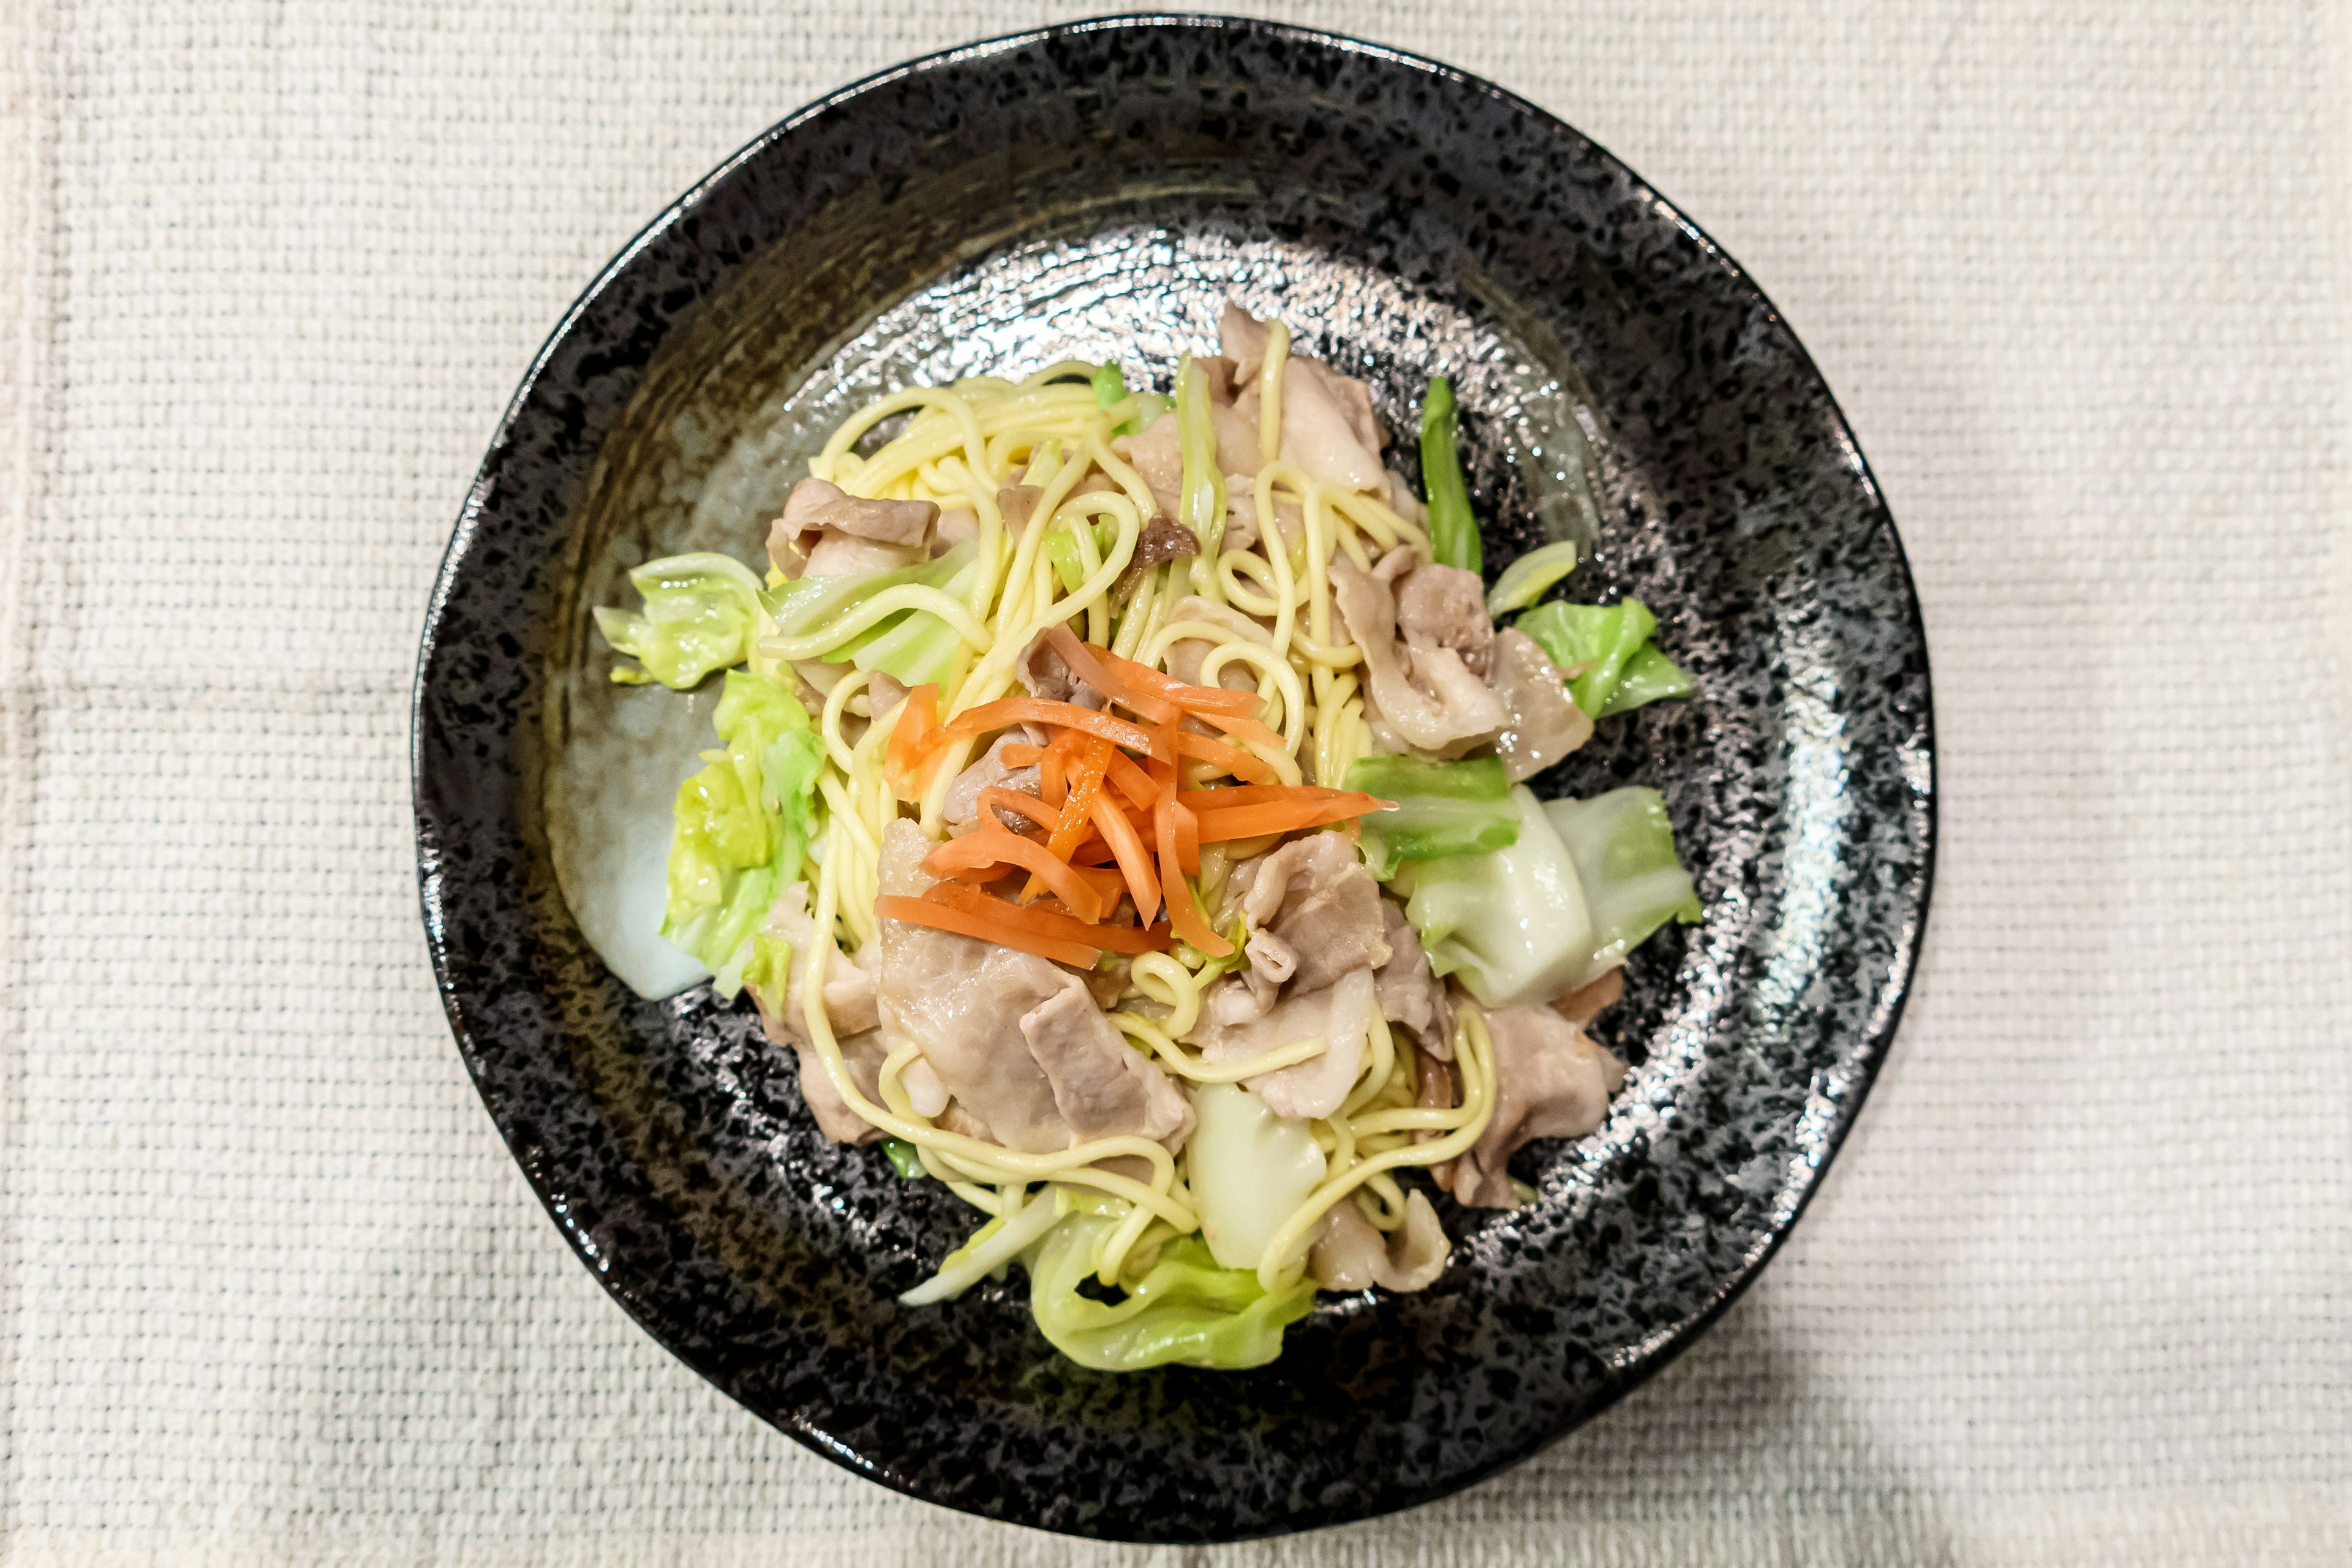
column 1097, row 191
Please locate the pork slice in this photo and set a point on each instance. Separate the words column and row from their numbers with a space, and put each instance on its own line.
column 1043, row 672
column 1350, row 1254
column 1102, row 1087
column 960, row 1000
column 826, row 532
column 1339, row 1014
column 863, row 1056
column 1317, row 898
column 1543, row 723
column 1157, row 454
column 1425, row 696
column 1411, row 993
column 850, row 994
column 1588, row 1002
column 989, row 770
column 1242, row 338
column 1445, row 606
column 1326, row 426
column 1551, row 1080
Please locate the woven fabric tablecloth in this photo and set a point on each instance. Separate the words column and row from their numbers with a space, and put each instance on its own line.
column 2077, row 1290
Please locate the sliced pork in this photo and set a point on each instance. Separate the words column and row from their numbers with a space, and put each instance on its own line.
column 1340, row 1014
column 1551, row 1080
column 1352, row 1254
column 1426, row 695
column 1544, row 723
column 826, row 532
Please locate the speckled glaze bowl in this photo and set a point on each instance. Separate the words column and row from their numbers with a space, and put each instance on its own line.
column 1099, row 189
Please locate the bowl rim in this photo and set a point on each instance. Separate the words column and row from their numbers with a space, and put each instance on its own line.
column 1901, row 975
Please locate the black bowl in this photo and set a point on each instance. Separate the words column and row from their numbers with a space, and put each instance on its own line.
column 1096, row 188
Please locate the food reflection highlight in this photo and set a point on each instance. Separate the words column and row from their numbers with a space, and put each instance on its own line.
column 1118, row 808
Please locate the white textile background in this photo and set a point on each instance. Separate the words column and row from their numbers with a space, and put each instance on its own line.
column 270, row 1289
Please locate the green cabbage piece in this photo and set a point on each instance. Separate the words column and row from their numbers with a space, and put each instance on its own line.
column 1525, row 580
column 1452, row 529
column 740, row 826
column 904, row 1159
column 1062, row 550
column 916, row 647
column 1185, row 1308
column 1110, row 391
column 1511, row 922
column 1623, row 847
column 1201, row 500
column 699, row 615
column 1442, row 809
column 806, row 604
column 1623, row 669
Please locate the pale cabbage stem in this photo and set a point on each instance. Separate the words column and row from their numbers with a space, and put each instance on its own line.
column 1474, row 1051
column 889, row 602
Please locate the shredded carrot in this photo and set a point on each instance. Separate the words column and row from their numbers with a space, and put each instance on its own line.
column 1192, row 699
column 1141, row 792
column 996, row 846
column 1106, row 880
column 1133, row 862
column 915, row 743
column 1006, row 712
column 983, row 923
column 1248, row 730
column 1021, row 754
column 1233, row 759
column 1037, row 920
column 1054, row 765
column 1097, row 667
column 1185, row 913
column 1019, row 805
column 1078, row 802
column 1280, row 815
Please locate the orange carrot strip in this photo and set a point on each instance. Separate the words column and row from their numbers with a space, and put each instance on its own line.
column 1006, row 712
column 986, row 925
column 1193, row 699
column 1019, row 805
column 996, row 846
column 1019, row 755
column 1133, row 862
column 1233, row 759
column 1089, row 663
column 1242, row 728
column 1106, row 880
column 1184, row 913
column 1253, row 821
column 1044, row 919
column 914, row 743
column 1224, row 797
column 1188, row 839
column 1131, row 782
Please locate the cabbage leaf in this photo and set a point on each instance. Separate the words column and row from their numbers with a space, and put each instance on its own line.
column 1185, row 1308
column 1250, row 1168
column 740, row 826
column 1623, row 847
column 1511, row 922
column 1610, row 645
column 700, row 612
column 1442, row 809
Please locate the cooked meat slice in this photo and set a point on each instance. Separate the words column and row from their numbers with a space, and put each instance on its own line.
column 1241, row 527
column 1272, row 960
column 863, row 1056
column 1243, row 339
column 1404, row 503
column 1426, row 695
column 1551, row 1081
column 1316, row 896
column 1586, row 1003
column 1340, row 1014
column 1352, row 1255
column 1157, row 454
column 883, row 693
column 1237, row 448
column 1102, row 1088
column 1411, row 993
column 826, row 532
column 1542, row 721
column 1043, row 673
column 1328, row 428
column 961, row 1001
column 849, row 994
column 989, row 770
column 957, row 524
column 1444, row 606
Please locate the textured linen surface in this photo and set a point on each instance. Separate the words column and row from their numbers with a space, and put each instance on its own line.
column 271, row 1290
